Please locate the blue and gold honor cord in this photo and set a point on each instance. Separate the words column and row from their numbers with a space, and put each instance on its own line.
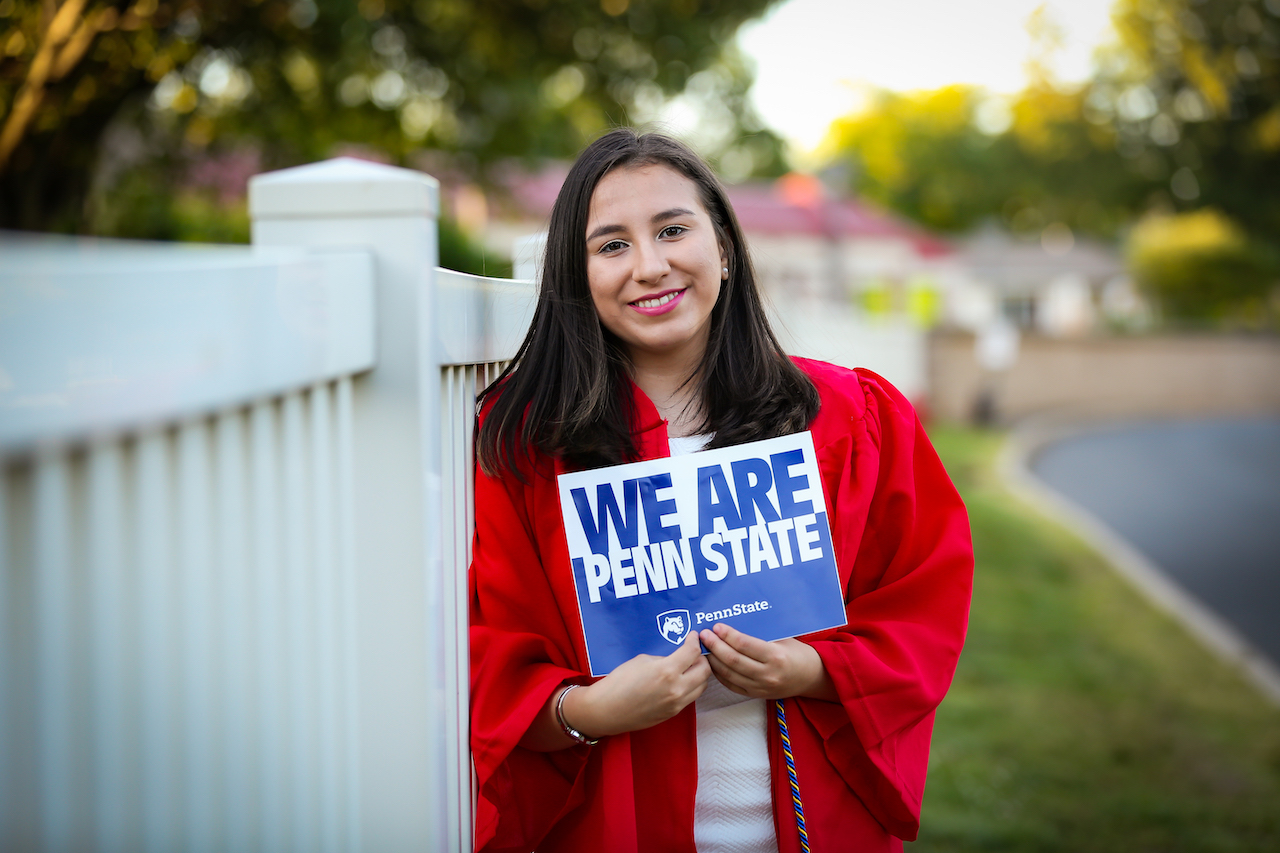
column 791, row 775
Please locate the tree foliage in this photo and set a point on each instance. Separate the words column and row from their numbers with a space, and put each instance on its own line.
column 954, row 157
column 1193, row 91
column 1182, row 114
column 922, row 155
column 484, row 79
column 1202, row 265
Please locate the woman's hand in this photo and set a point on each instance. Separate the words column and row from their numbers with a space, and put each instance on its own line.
column 643, row 692
column 779, row 670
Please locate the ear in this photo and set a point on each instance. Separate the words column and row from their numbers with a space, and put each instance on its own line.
column 724, row 263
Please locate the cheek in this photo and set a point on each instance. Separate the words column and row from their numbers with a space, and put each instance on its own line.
column 715, row 292
column 603, row 299
column 595, row 278
column 599, row 292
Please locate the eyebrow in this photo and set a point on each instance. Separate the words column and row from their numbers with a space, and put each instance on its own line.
column 657, row 217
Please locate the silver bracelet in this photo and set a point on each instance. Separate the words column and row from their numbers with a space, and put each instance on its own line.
column 569, row 730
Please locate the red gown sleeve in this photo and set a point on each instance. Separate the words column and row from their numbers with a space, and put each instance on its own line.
column 902, row 541
column 521, row 650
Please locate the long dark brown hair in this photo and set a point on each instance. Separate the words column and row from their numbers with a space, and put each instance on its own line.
column 565, row 393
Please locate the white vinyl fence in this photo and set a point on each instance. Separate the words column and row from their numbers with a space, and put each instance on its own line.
column 234, row 527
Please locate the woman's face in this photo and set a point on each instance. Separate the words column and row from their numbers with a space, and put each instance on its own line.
column 654, row 264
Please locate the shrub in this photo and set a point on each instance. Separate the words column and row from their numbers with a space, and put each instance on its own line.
column 1202, row 266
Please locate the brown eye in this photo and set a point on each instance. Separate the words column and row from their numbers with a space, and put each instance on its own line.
column 672, row 231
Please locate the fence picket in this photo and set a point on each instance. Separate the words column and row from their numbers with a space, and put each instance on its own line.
column 55, row 638
column 274, row 812
column 201, row 758
column 155, row 648
column 325, row 567
column 298, row 612
column 105, row 557
column 237, row 670
column 349, row 742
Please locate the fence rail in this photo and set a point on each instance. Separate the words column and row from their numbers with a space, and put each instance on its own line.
column 101, row 336
column 234, row 524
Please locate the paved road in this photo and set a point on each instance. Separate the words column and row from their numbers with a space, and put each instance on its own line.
column 1201, row 500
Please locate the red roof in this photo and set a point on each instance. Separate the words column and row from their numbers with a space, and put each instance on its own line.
column 783, row 207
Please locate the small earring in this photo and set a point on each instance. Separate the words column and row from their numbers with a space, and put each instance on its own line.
column 724, row 272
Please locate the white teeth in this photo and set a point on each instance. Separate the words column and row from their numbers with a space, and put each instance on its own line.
column 654, row 303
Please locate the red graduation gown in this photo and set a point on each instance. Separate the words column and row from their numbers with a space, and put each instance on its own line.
column 902, row 543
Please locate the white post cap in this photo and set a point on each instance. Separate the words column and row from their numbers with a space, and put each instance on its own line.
column 343, row 187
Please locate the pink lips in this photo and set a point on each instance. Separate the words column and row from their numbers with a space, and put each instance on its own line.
column 654, row 310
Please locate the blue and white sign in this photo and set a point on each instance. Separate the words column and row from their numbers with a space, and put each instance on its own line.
column 667, row 546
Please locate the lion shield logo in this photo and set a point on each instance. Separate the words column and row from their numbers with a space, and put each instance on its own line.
column 673, row 625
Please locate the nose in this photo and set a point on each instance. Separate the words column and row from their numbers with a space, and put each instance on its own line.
column 650, row 263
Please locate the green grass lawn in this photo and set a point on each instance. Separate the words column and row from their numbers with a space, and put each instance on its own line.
column 1082, row 719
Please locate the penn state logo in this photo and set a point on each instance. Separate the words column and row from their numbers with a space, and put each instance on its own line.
column 674, row 626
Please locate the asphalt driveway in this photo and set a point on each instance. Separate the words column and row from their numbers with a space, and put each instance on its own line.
column 1200, row 499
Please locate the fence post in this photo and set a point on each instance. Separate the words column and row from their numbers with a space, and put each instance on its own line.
column 393, row 536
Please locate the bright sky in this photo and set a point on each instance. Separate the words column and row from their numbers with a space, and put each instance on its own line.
column 814, row 57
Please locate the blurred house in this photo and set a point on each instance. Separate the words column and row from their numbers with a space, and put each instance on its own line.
column 812, row 246
column 1060, row 285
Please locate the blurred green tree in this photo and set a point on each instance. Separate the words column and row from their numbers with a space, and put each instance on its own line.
column 483, row 79
column 1202, row 266
column 922, row 155
column 954, row 157
column 1183, row 112
column 1193, row 92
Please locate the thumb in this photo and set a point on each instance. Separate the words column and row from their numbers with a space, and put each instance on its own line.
column 690, row 648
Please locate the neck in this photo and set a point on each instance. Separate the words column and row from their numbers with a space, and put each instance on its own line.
column 674, row 392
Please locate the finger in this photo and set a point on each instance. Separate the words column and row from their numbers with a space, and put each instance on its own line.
column 687, row 651
column 715, row 644
column 732, row 682
column 721, row 670
column 700, row 688
column 752, row 647
column 735, row 680
column 717, row 649
column 700, row 672
column 693, row 681
column 699, row 667
column 689, row 658
column 735, row 660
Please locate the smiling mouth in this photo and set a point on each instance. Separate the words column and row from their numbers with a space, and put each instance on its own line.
column 657, row 301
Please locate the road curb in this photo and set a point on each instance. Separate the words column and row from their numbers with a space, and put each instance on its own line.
column 1207, row 627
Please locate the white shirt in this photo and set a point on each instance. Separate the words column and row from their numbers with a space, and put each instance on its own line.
column 733, row 806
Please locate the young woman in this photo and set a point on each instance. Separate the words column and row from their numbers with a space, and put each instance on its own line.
column 650, row 339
